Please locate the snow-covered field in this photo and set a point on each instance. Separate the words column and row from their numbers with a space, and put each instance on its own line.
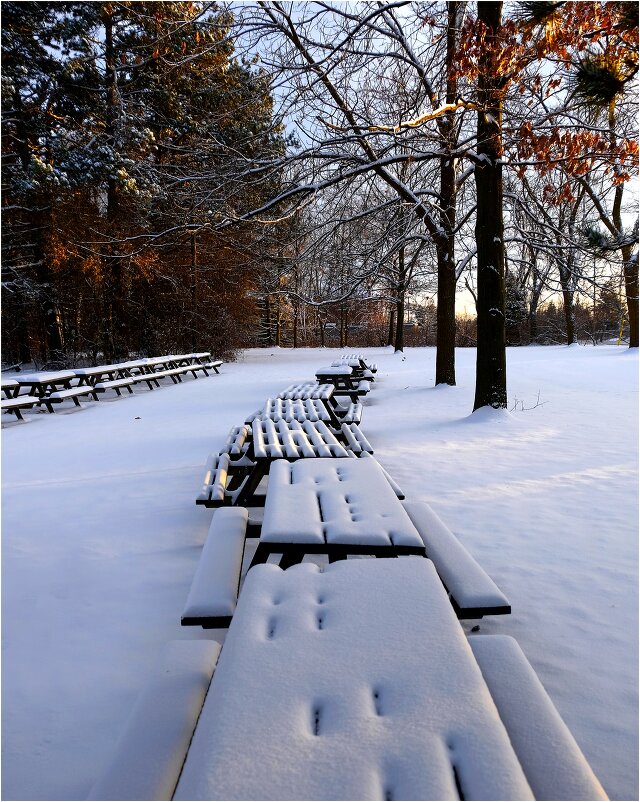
column 101, row 537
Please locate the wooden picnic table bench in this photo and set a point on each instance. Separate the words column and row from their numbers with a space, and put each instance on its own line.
column 355, row 682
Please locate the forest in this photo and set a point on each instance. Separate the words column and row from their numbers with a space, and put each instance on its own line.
column 209, row 175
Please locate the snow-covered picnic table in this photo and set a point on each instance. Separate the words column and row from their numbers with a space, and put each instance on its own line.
column 312, row 391
column 345, row 381
column 233, row 475
column 334, row 507
column 356, row 682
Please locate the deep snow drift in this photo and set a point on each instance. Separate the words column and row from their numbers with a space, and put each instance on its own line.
column 101, row 537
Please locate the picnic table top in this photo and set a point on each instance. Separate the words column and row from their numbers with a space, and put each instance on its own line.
column 335, row 370
column 307, row 390
column 46, row 377
column 366, row 689
column 335, row 501
column 291, row 439
column 294, row 409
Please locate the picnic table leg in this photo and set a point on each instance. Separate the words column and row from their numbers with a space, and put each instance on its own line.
column 261, row 554
column 248, row 489
column 291, row 556
column 336, row 554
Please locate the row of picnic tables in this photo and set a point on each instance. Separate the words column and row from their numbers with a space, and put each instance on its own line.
column 50, row 388
column 353, row 680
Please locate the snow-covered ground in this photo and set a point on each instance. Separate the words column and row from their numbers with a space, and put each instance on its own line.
column 101, row 537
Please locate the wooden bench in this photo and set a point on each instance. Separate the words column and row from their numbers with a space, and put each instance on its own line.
column 354, row 439
column 473, row 593
column 73, row 393
column 214, row 590
column 16, row 404
column 113, row 384
column 214, row 365
column 151, row 751
column 552, row 761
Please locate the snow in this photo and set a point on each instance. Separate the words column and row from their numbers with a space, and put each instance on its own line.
column 101, row 537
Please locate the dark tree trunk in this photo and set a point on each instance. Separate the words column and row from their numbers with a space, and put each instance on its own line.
column 391, row 332
column 630, row 262
column 53, row 345
column 445, row 249
column 398, row 344
column 491, row 371
column 194, row 292
column 400, row 297
column 569, row 310
column 114, row 292
column 295, row 327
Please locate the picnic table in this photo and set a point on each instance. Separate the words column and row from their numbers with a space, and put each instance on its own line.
column 12, row 401
column 233, row 475
column 345, row 383
column 45, row 382
column 333, row 507
column 358, row 683
column 312, row 391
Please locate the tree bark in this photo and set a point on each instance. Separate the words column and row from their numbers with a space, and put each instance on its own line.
column 491, row 372
column 114, row 293
column 445, row 248
column 391, row 332
column 400, row 294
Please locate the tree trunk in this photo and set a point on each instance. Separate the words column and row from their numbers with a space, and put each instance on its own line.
column 114, row 293
column 400, row 296
column 391, row 333
column 630, row 262
column 398, row 344
column 194, row 292
column 295, row 327
column 445, row 249
column 491, row 371
column 569, row 309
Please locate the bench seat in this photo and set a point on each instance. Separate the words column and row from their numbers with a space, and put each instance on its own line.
column 114, row 384
column 216, row 479
column 174, row 374
column 349, row 414
column 214, row 590
column 354, row 439
column 552, row 761
column 17, row 404
column 473, row 593
column 213, row 365
column 152, row 749
column 74, row 393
